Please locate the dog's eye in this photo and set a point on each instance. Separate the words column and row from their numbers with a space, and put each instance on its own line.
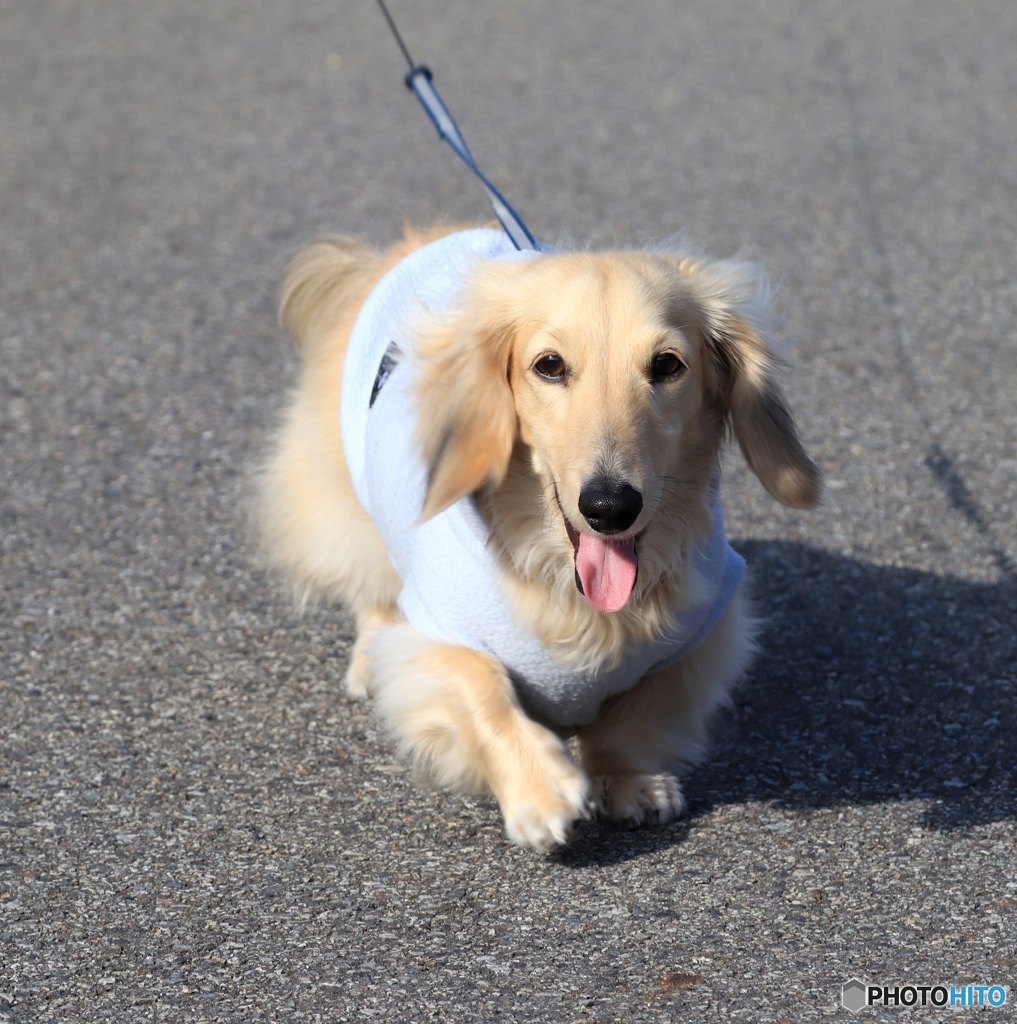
column 551, row 366
column 667, row 366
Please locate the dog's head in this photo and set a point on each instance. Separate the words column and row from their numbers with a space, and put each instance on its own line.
column 620, row 373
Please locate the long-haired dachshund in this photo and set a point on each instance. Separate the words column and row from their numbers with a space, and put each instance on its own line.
column 507, row 466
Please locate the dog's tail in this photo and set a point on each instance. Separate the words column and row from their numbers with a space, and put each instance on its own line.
column 322, row 281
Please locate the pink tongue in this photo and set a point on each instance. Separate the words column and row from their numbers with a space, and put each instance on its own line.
column 607, row 571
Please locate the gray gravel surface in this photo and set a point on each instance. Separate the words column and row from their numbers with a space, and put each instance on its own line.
column 194, row 825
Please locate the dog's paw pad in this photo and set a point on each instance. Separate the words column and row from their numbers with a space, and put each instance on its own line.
column 638, row 799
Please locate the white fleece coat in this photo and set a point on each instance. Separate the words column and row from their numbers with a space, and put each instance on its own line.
column 452, row 589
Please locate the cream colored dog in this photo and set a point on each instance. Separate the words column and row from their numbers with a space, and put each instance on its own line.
column 575, row 406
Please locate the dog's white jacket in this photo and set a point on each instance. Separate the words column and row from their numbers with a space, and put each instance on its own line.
column 452, row 590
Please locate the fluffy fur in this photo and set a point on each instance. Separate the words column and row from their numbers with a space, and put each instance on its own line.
column 526, row 446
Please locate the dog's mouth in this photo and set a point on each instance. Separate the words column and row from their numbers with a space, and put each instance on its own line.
column 605, row 569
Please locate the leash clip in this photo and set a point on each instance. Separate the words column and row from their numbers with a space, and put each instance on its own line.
column 420, row 69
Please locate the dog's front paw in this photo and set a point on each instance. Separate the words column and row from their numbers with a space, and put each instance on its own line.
column 358, row 676
column 540, row 813
column 360, row 673
column 637, row 799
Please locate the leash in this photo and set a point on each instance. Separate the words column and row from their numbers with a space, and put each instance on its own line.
column 420, row 80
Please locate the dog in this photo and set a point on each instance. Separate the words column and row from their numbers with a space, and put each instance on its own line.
column 506, row 465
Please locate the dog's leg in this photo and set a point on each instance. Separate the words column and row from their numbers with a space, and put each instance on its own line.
column 633, row 748
column 315, row 529
column 359, row 673
column 455, row 713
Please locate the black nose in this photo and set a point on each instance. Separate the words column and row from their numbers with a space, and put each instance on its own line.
column 609, row 507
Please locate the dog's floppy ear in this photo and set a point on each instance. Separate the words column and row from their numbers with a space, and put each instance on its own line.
column 467, row 425
column 763, row 422
column 741, row 373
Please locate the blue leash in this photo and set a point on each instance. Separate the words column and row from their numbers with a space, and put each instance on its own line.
column 420, row 80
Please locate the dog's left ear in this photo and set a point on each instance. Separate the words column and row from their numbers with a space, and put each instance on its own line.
column 761, row 418
column 467, row 425
column 741, row 375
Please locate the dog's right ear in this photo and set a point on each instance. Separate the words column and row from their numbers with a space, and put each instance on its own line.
column 467, row 426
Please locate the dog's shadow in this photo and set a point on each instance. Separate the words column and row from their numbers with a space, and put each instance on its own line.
column 875, row 686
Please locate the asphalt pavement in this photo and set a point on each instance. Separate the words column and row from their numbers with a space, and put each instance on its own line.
column 194, row 824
